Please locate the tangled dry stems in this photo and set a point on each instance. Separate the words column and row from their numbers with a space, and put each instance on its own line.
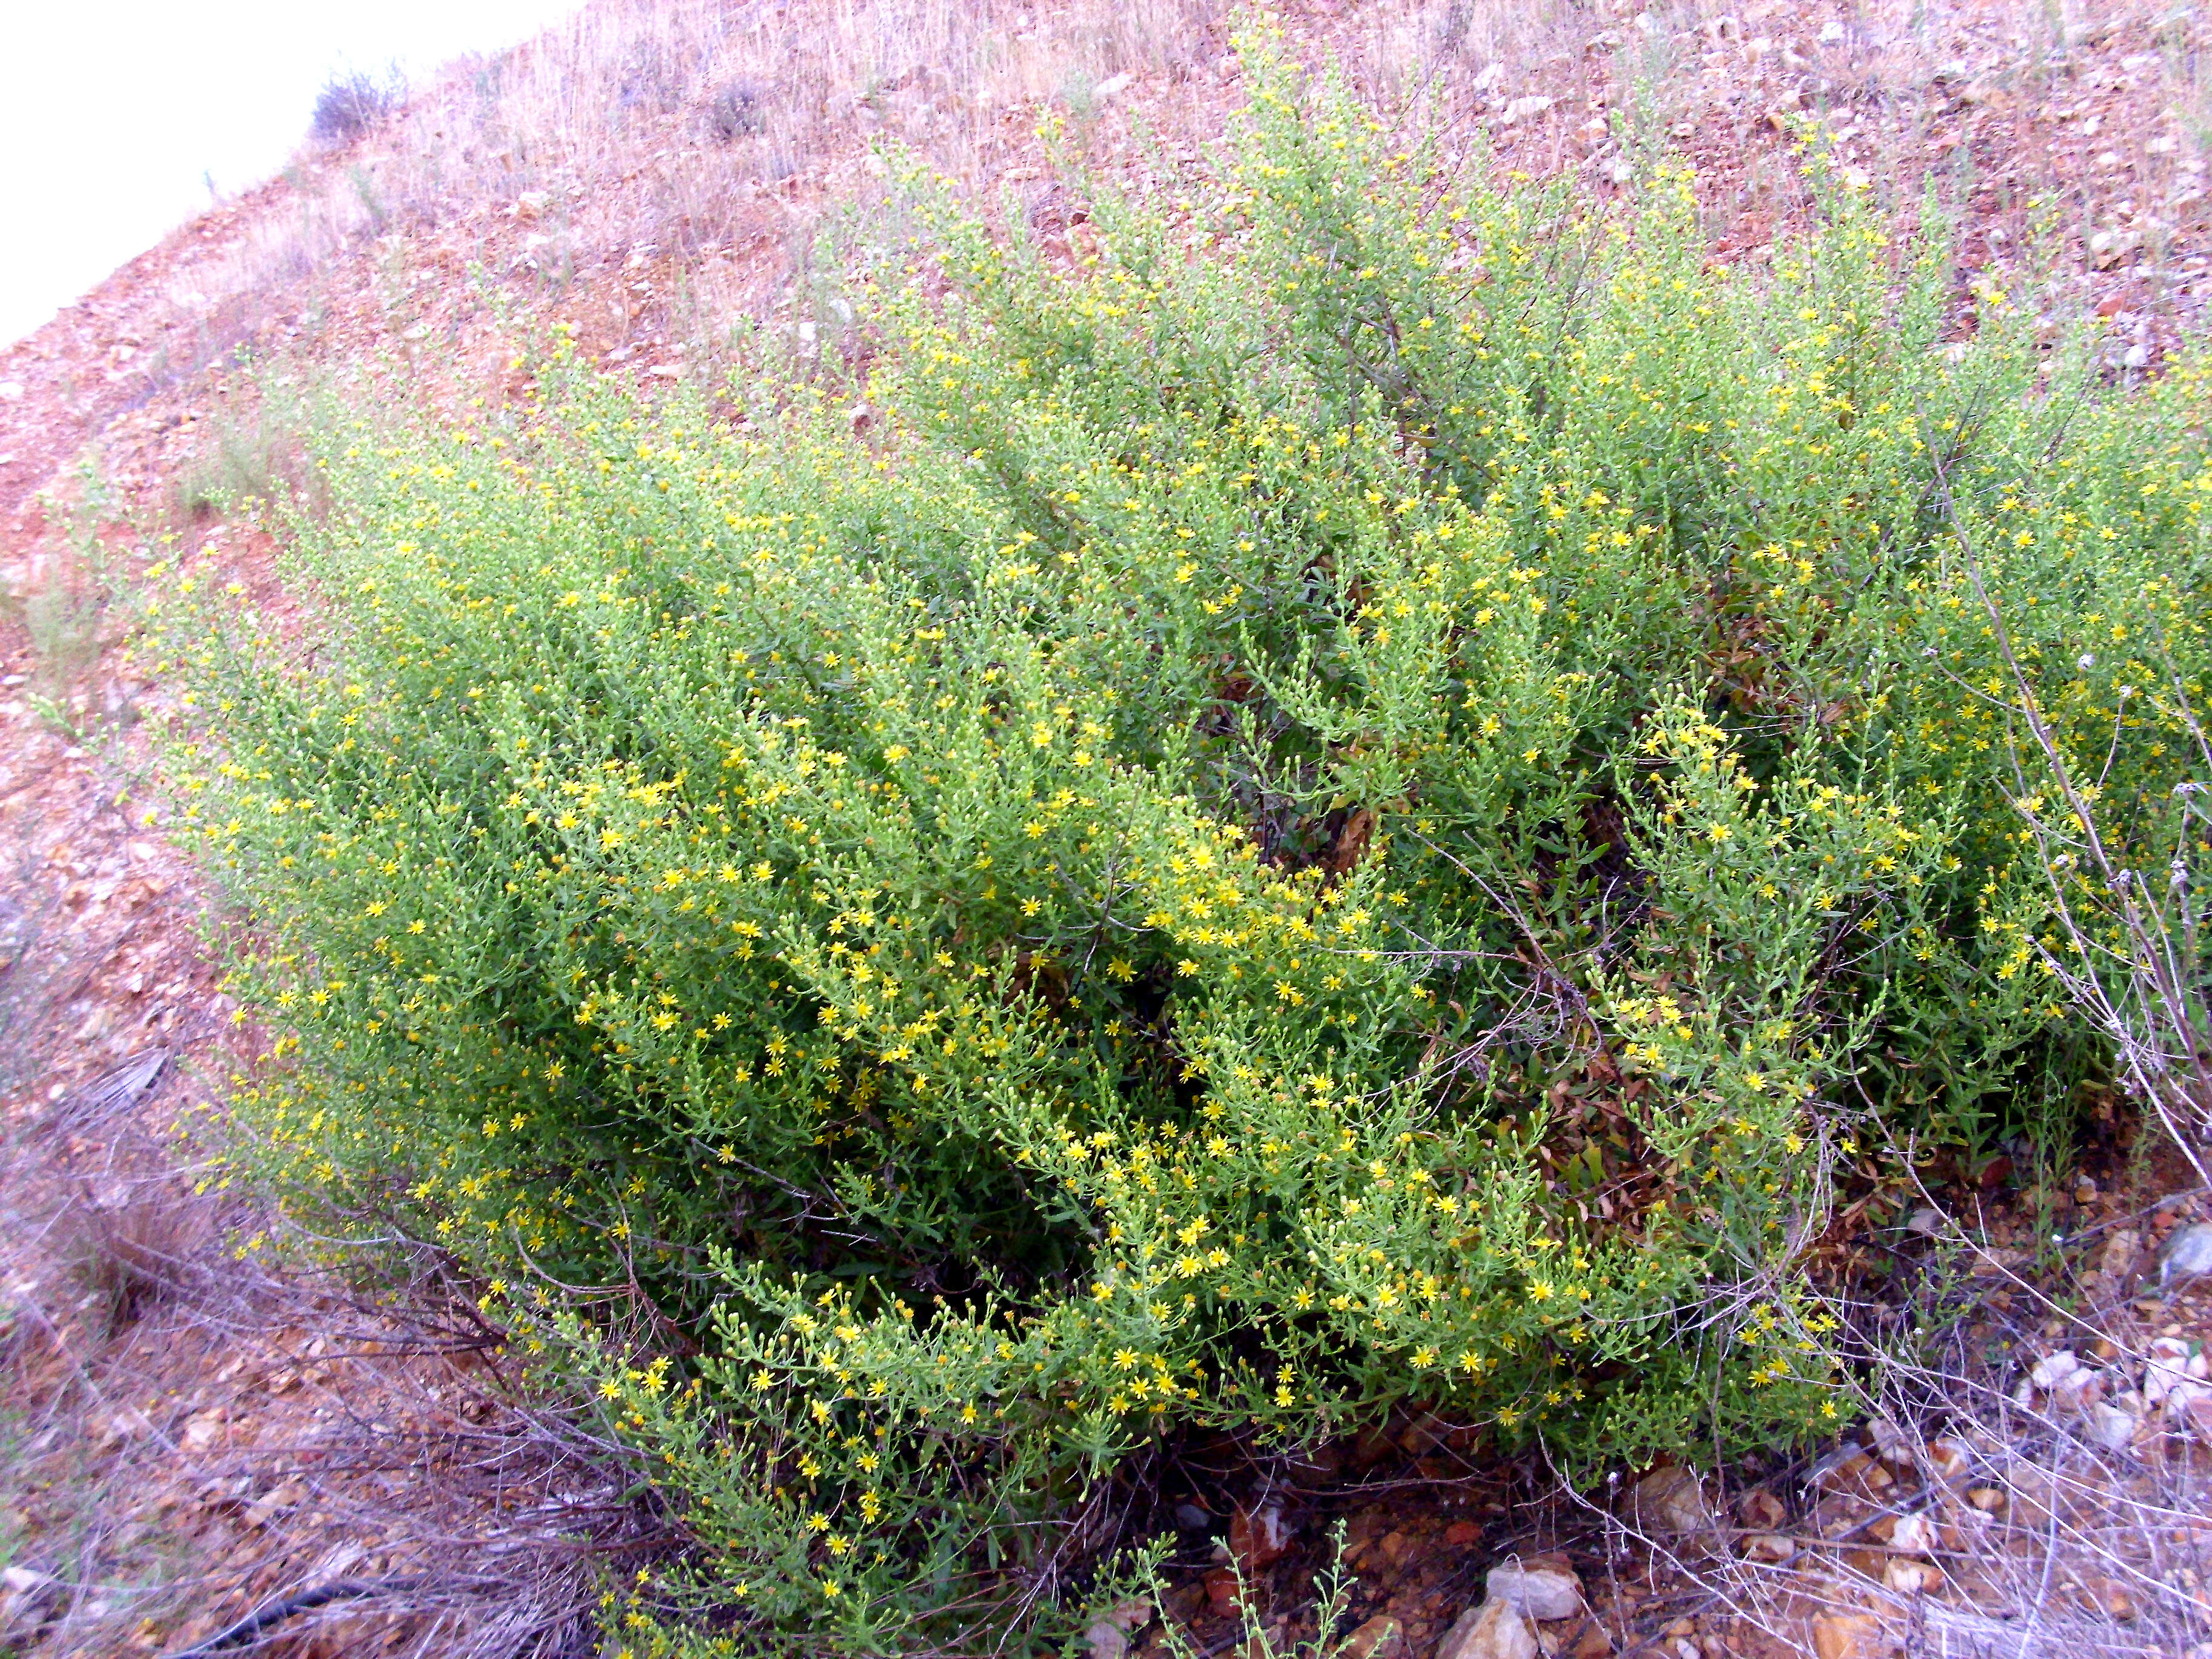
column 478, row 1526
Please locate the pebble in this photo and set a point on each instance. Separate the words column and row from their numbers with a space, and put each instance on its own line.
column 2054, row 1369
column 2168, row 1364
column 1109, row 1639
column 1380, row 1638
column 1914, row 1535
column 1670, row 1500
column 2188, row 1254
column 1496, row 1630
column 2113, row 1427
column 1543, row 1589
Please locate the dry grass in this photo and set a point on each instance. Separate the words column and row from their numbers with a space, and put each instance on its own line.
column 190, row 1433
column 1974, row 1514
column 191, row 1436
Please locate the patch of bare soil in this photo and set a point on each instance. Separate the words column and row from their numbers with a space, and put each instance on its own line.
column 190, row 1436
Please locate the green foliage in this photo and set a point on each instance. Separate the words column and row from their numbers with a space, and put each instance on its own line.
column 1342, row 804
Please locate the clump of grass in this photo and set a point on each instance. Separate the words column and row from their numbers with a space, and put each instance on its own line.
column 242, row 456
column 60, row 612
column 735, row 110
column 354, row 104
column 61, row 602
column 132, row 1247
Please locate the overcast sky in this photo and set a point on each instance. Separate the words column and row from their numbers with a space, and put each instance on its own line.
column 115, row 113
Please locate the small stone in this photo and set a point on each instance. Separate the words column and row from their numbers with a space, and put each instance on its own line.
column 1380, row 1638
column 2168, row 1364
column 1846, row 1636
column 1912, row 1577
column 28, row 1600
column 2188, row 1254
column 1760, row 1508
column 1926, row 1220
column 1946, row 1460
column 119, row 1426
column 1892, row 1443
column 1496, row 1630
column 274, row 1503
column 2055, row 1369
column 2112, row 1426
column 2188, row 1409
column 1545, row 1588
column 1188, row 1517
column 1109, row 1636
column 1460, row 1534
column 2108, row 247
column 1259, row 1540
column 1670, row 1500
column 1914, row 1535
column 1221, row 1591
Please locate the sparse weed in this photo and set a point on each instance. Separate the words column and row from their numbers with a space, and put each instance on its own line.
column 735, row 110
column 132, row 1247
column 353, row 105
column 242, row 456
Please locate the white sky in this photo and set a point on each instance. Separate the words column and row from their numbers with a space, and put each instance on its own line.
column 113, row 113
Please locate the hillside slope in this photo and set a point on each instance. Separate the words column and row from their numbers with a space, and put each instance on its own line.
column 663, row 179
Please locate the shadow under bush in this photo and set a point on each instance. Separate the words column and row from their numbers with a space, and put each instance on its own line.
column 1338, row 805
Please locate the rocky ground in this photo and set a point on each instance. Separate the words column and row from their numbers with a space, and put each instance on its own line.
column 2037, row 1483
column 190, row 1435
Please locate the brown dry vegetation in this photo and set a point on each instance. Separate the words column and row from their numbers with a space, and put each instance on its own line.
column 189, row 1437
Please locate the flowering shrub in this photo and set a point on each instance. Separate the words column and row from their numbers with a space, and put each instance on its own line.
column 1342, row 804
